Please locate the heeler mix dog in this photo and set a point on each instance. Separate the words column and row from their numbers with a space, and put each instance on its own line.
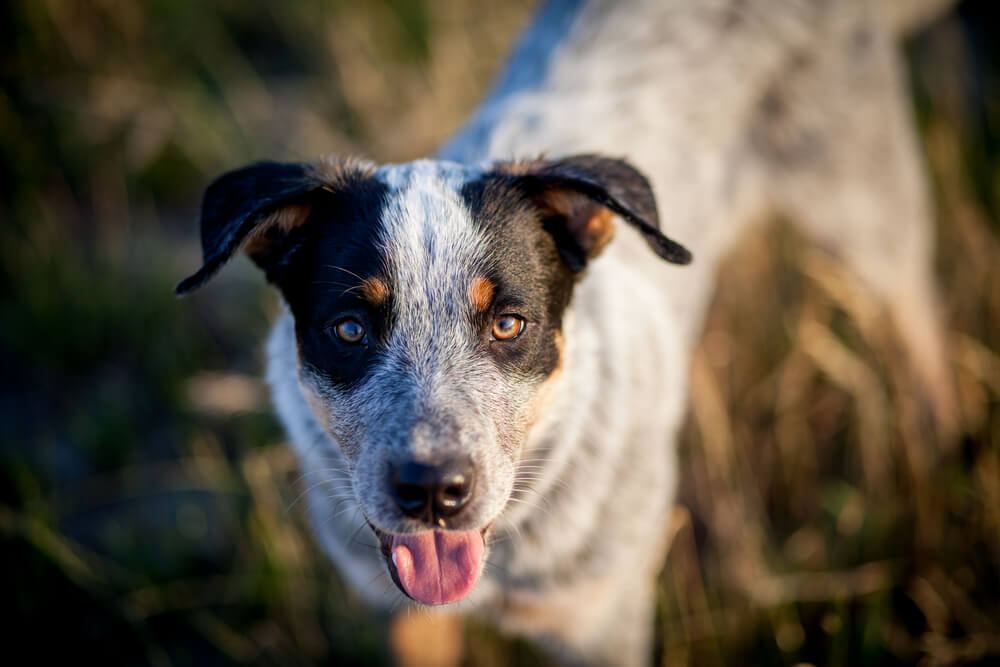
column 478, row 364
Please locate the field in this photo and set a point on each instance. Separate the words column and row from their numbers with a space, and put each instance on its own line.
column 149, row 509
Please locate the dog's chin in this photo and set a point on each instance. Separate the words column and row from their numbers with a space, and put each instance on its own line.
column 434, row 567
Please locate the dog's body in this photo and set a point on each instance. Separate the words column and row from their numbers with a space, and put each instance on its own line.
column 733, row 109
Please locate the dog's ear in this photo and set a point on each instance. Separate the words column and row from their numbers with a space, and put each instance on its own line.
column 579, row 197
column 260, row 208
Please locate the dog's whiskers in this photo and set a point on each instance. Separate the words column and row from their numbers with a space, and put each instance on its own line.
column 340, row 268
column 321, row 482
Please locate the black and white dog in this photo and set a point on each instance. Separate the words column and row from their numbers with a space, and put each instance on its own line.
column 474, row 360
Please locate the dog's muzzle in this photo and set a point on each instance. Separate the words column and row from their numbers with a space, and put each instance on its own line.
column 437, row 565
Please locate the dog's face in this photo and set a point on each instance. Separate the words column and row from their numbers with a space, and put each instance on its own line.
column 428, row 301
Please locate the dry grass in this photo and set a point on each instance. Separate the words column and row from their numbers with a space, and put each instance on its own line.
column 154, row 516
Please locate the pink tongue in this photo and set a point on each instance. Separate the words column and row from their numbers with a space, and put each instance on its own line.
column 438, row 567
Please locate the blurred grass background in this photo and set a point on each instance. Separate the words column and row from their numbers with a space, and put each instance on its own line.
column 148, row 508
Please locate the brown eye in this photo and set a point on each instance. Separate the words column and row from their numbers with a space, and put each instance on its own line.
column 507, row 327
column 349, row 331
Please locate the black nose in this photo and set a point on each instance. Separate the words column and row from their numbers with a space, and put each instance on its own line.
column 432, row 493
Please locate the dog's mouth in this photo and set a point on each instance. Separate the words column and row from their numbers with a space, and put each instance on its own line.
column 434, row 567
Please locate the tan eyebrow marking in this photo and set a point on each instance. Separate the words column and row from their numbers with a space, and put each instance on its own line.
column 481, row 293
column 374, row 290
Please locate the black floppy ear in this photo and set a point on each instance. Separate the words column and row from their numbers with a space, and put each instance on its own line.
column 239, row 205
column 579, row 196
column 260, row 208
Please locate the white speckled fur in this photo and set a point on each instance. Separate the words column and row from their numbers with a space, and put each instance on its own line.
column 731, row 108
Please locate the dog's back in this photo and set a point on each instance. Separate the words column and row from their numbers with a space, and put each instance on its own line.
column 740, row 110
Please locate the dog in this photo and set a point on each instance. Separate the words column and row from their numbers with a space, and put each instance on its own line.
column 483, row 357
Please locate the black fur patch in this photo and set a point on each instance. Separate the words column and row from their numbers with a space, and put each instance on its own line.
column 535, row 258
column 530, row 277
column 318, row 263
column 337, row 251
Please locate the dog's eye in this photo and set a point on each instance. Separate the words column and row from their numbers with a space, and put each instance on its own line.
column 507, row 327
column 349, row 330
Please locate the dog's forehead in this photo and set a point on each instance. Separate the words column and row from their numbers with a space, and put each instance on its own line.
column 432, row 245
column 427, row 173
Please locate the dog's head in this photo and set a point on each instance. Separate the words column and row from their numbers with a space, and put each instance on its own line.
column 428, row 301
